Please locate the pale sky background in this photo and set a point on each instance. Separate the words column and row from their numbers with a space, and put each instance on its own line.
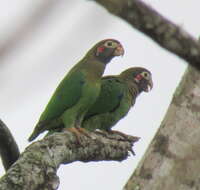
column 46, row 43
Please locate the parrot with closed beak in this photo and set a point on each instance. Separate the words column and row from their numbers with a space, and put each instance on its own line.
column 118, row 94
column 79, row 89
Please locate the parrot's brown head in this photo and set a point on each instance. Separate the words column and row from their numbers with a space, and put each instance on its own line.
column 107, row 49
column 140, row 76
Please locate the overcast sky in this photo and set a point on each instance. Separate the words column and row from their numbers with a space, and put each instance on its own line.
column 41, row 40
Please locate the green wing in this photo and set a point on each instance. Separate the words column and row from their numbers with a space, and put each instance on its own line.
column 112, row 92
column 66, row 95
column 113, row 104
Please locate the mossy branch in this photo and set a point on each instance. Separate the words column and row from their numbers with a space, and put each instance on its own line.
column 37, row 165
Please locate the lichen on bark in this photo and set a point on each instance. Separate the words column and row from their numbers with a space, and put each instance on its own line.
column 37, row 166
column 172, row 159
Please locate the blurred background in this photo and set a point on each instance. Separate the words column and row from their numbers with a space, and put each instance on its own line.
column 41, row 40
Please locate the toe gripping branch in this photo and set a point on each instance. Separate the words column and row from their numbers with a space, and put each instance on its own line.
column 81, row 133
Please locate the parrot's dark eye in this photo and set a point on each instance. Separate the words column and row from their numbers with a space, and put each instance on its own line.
column 109, row 43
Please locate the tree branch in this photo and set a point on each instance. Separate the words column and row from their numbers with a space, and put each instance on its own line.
column 9, row 150
column 36, row 168
column 150, row 22
column 172, row 159
column 24, row 29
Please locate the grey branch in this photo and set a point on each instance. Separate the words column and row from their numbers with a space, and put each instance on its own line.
column 9, row 150
column 150, row 22
column 23, row 30
column 36, row 168
column 173, row 157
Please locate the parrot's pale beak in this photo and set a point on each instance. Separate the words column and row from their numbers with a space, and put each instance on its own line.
column 149, row 86
column 119, row 51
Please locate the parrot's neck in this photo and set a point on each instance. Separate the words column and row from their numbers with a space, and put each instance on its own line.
column 104, row 60
column 133, row 90
column 95, row 68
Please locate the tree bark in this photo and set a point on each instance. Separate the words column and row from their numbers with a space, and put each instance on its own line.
column 161, row 30
column 172, row 160
column 36, row 167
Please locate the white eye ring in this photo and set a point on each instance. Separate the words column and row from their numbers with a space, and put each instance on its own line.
column 110, row 44
column 146, row 75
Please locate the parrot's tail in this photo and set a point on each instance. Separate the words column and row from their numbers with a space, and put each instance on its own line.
column 33, row 136
column 36, row 131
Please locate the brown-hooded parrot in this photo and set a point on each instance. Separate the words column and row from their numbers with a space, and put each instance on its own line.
column 79, row 89
column 118, row 94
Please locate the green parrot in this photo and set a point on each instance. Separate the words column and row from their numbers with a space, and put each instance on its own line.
column 79, row 89
column 118, row 94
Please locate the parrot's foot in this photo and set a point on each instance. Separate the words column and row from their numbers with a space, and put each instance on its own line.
column 118, row 133
column 121, row 135
column 78, row 132
column 103, row 133
column 84, row 132
column 126, row 137
column 75, row 132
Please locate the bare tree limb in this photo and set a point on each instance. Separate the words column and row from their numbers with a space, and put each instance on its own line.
column 172, row 160
column 36, row 168
column 9, row 150
column 161, row 30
